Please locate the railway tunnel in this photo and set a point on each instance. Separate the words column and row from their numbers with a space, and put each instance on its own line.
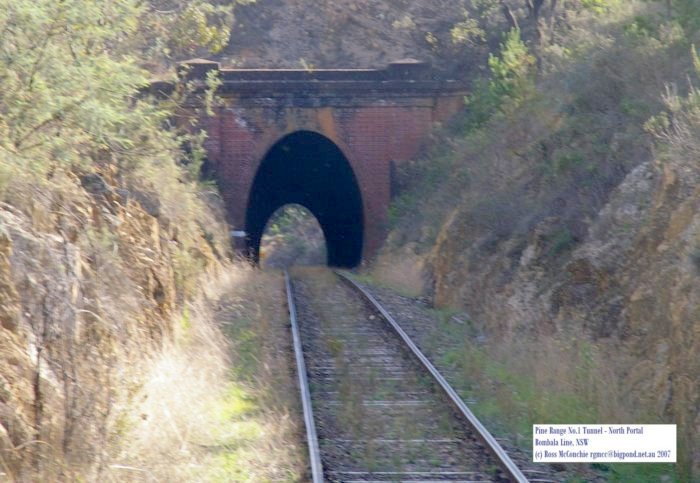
column 308, row 169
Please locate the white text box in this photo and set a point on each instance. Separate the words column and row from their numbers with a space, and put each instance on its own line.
column 604, row 443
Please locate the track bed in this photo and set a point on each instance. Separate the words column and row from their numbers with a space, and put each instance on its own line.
column 378, row 414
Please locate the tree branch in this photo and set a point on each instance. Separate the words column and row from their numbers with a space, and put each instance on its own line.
column 510, row 17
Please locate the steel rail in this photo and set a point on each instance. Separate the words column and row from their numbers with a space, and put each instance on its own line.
column 311, row 436
column 511, row 469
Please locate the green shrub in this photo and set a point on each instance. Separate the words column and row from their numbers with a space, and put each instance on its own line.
column 511, row 81
column 599, row 6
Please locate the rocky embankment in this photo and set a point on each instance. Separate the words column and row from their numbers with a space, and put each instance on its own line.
column 91, row 280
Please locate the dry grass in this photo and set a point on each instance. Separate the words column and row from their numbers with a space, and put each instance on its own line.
column 403, row 272
column 214, row 407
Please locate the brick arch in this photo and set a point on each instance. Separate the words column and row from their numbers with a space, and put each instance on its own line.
column 309, row 169
column 377, row 118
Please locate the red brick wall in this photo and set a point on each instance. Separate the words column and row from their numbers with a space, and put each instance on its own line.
column 370, row 136
column 375, row 135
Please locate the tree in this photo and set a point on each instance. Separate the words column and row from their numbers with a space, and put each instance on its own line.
column 71, row 71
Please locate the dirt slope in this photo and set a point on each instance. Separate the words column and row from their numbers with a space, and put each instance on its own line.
column 325, row 33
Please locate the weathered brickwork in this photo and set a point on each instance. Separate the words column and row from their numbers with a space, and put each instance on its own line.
column 372, row 121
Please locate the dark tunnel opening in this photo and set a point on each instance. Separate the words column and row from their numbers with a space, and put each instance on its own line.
column 308, row 169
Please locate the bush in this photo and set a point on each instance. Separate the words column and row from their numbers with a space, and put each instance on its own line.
column 510, row 83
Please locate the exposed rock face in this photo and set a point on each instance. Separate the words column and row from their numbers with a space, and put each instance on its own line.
column 87, row 285
column 631, row 283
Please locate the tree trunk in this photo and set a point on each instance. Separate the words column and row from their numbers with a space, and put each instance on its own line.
column 510, row 17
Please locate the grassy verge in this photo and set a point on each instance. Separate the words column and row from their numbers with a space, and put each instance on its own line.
column 515, row 384
column 219, row 401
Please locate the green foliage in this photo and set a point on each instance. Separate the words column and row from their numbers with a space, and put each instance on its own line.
column 599, row 6
column 192, row 28
column 566, row 161
column 72, row 101
column 187, row 267
column 292, row 236
column 286, row 220
column 63, row 89
column 467, row 31
column 676, row 129
column 432, row 40
column 513, row 70
column 658, row 125
column 186, row 320
column 642, row 26
column 512, row 81
column 696, row 59
column 686, row 13
column 69, row 82
column 485, row 8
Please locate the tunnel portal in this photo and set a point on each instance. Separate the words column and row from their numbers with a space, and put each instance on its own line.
column 370, row 119
column 308, row 169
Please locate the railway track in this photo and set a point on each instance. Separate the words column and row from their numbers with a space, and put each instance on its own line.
column 375, row 408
